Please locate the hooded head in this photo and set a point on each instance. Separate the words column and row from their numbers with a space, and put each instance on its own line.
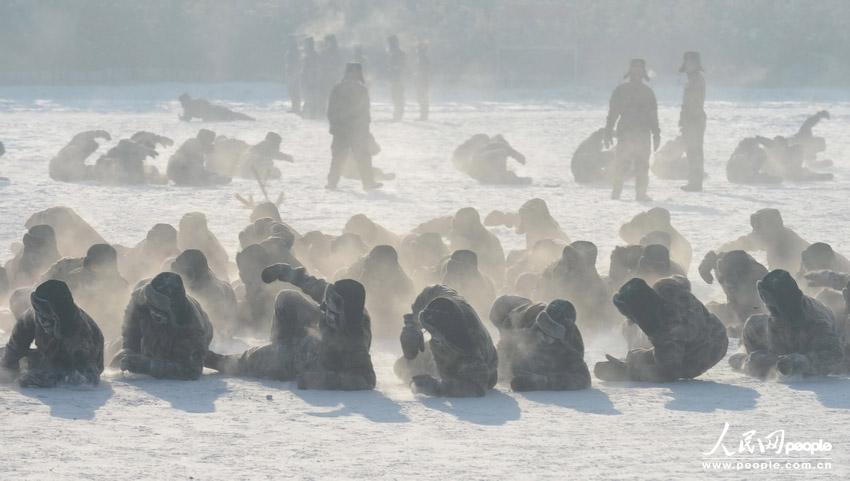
column 506, row 313
column 165, row 298
column 446, row 320
column 466, row 219
column 429, row 294
column 101, row 258
column 640, row 304
column 737, row 269
column 782, row 296
column 273, row 138
column 354, row 71
column 162, row 235
column 265, row 209
column 40, row 238
column 343, row 305
column 382, row 257
column 691, row 62
column 818, row 256
column 192, row 265
column 534, row 211
column 637, row 70
column 206, row 137
column 587, row 251
column 54, row 308
column 656, row 258
column 656, row 237
column 556, row 319
column 348, row 246
column 766, row 222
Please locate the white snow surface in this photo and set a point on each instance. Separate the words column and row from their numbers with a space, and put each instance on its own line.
column 133, row 427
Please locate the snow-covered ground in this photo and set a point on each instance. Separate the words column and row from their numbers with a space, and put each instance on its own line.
column 227, row 428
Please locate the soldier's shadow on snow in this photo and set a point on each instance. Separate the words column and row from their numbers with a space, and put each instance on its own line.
column 72, row 402
column 831, row 392
column 372, row 405
column 494, row 409
column 591, row 401
column 708, row 396
column 189, row 396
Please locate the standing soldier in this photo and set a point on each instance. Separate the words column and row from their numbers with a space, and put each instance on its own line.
column 423, row 80
column 331, row 65
column 634, row 110
column 692, row 119
column 293, row 75
column 312, row 107
column 349, row 118
column 398, row 69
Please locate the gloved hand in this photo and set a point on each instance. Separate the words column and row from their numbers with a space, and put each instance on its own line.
column 283, row 273
column 425, row 384
column 135, row 363
column 611, row 370
column 412, row 340
column 656, row 141
column 707, row 265
column 608, row 139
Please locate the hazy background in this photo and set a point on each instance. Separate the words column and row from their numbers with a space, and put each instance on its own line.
column 475, row 43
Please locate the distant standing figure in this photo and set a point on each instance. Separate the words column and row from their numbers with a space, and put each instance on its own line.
column 692, row 120
column 634, row 111
column 331, row 64
column 423, row 80
column 293, row 75
column 310, row 88
column 349, row 116
column 398, row 69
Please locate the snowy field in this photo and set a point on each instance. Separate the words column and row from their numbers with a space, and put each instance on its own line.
column 225, row 428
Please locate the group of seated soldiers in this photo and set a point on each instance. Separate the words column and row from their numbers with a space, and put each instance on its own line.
column 203, row 160
column 755, row 160
column 167, row 307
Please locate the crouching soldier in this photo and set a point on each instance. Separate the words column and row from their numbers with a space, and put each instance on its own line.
column 543, row 350
column 687, row 340
column 166, row 333
column 464, row 355
column 68, row 343
column 343, row 362
column 797, row 338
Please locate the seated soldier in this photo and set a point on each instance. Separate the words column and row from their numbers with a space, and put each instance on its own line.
column 782, row 245
column 215, row 295
column 749, row 164
column 188, row 166
column 686, row 339
column 166, row 333
column 485, row 159
column 258, row 160
column 207, row 112
column 293, row 347
column 68, row 343
column 343, row 361
column 592, row 162
column 464, row 355
column 797, row 338
column 737, row 273
column 69, row 164
column 670, row 161
column 39, row 252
